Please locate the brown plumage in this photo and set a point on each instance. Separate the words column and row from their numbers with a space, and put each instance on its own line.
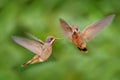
column 42, row 49
column 80, row 38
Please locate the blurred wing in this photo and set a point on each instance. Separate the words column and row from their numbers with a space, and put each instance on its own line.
column 92, row 30
column 33, row 46
column 34, row 38
column 66, row 28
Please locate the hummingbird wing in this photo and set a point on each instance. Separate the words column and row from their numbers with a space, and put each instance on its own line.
column 31, row 45
column 66, row 29
column 34, row 38
column 92, row 30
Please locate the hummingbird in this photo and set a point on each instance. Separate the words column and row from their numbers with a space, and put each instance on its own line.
column 81, row 37
column 42, row 50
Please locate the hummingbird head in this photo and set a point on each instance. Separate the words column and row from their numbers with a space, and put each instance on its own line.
column 75, row 29
column 51, row 39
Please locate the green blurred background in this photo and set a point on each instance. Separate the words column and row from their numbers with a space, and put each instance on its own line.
column 41, row 18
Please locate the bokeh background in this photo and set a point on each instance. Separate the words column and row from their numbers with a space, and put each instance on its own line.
column 41, row 18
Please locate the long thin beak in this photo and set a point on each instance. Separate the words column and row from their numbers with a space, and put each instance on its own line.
column 58, row 38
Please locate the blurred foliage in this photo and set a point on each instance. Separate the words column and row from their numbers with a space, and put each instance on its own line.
column 41, row 18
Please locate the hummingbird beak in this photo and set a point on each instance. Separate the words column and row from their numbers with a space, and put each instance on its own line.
column 58, row 38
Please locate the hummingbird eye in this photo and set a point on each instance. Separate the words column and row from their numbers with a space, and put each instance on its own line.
column 51, row 39
column 77, row 29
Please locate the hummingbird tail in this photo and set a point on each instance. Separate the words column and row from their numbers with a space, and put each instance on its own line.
column 35, row 59
column 27, row 63
column 83, row 50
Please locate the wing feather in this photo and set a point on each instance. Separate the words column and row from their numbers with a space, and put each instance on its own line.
column 34, row 38
column 66, row 29
column 92, row 30
column 33, row 46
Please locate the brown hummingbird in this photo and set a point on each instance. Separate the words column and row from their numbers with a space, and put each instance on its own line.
column 42, row 49
column 80, row 38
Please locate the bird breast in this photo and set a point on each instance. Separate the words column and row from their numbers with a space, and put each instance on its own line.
column 46, row 52
column 78, row 40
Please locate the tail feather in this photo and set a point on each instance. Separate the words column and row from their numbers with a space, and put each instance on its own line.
column 35, row 59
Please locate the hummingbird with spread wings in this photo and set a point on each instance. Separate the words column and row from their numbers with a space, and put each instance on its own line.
column 80, row 38
column 42, row 50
